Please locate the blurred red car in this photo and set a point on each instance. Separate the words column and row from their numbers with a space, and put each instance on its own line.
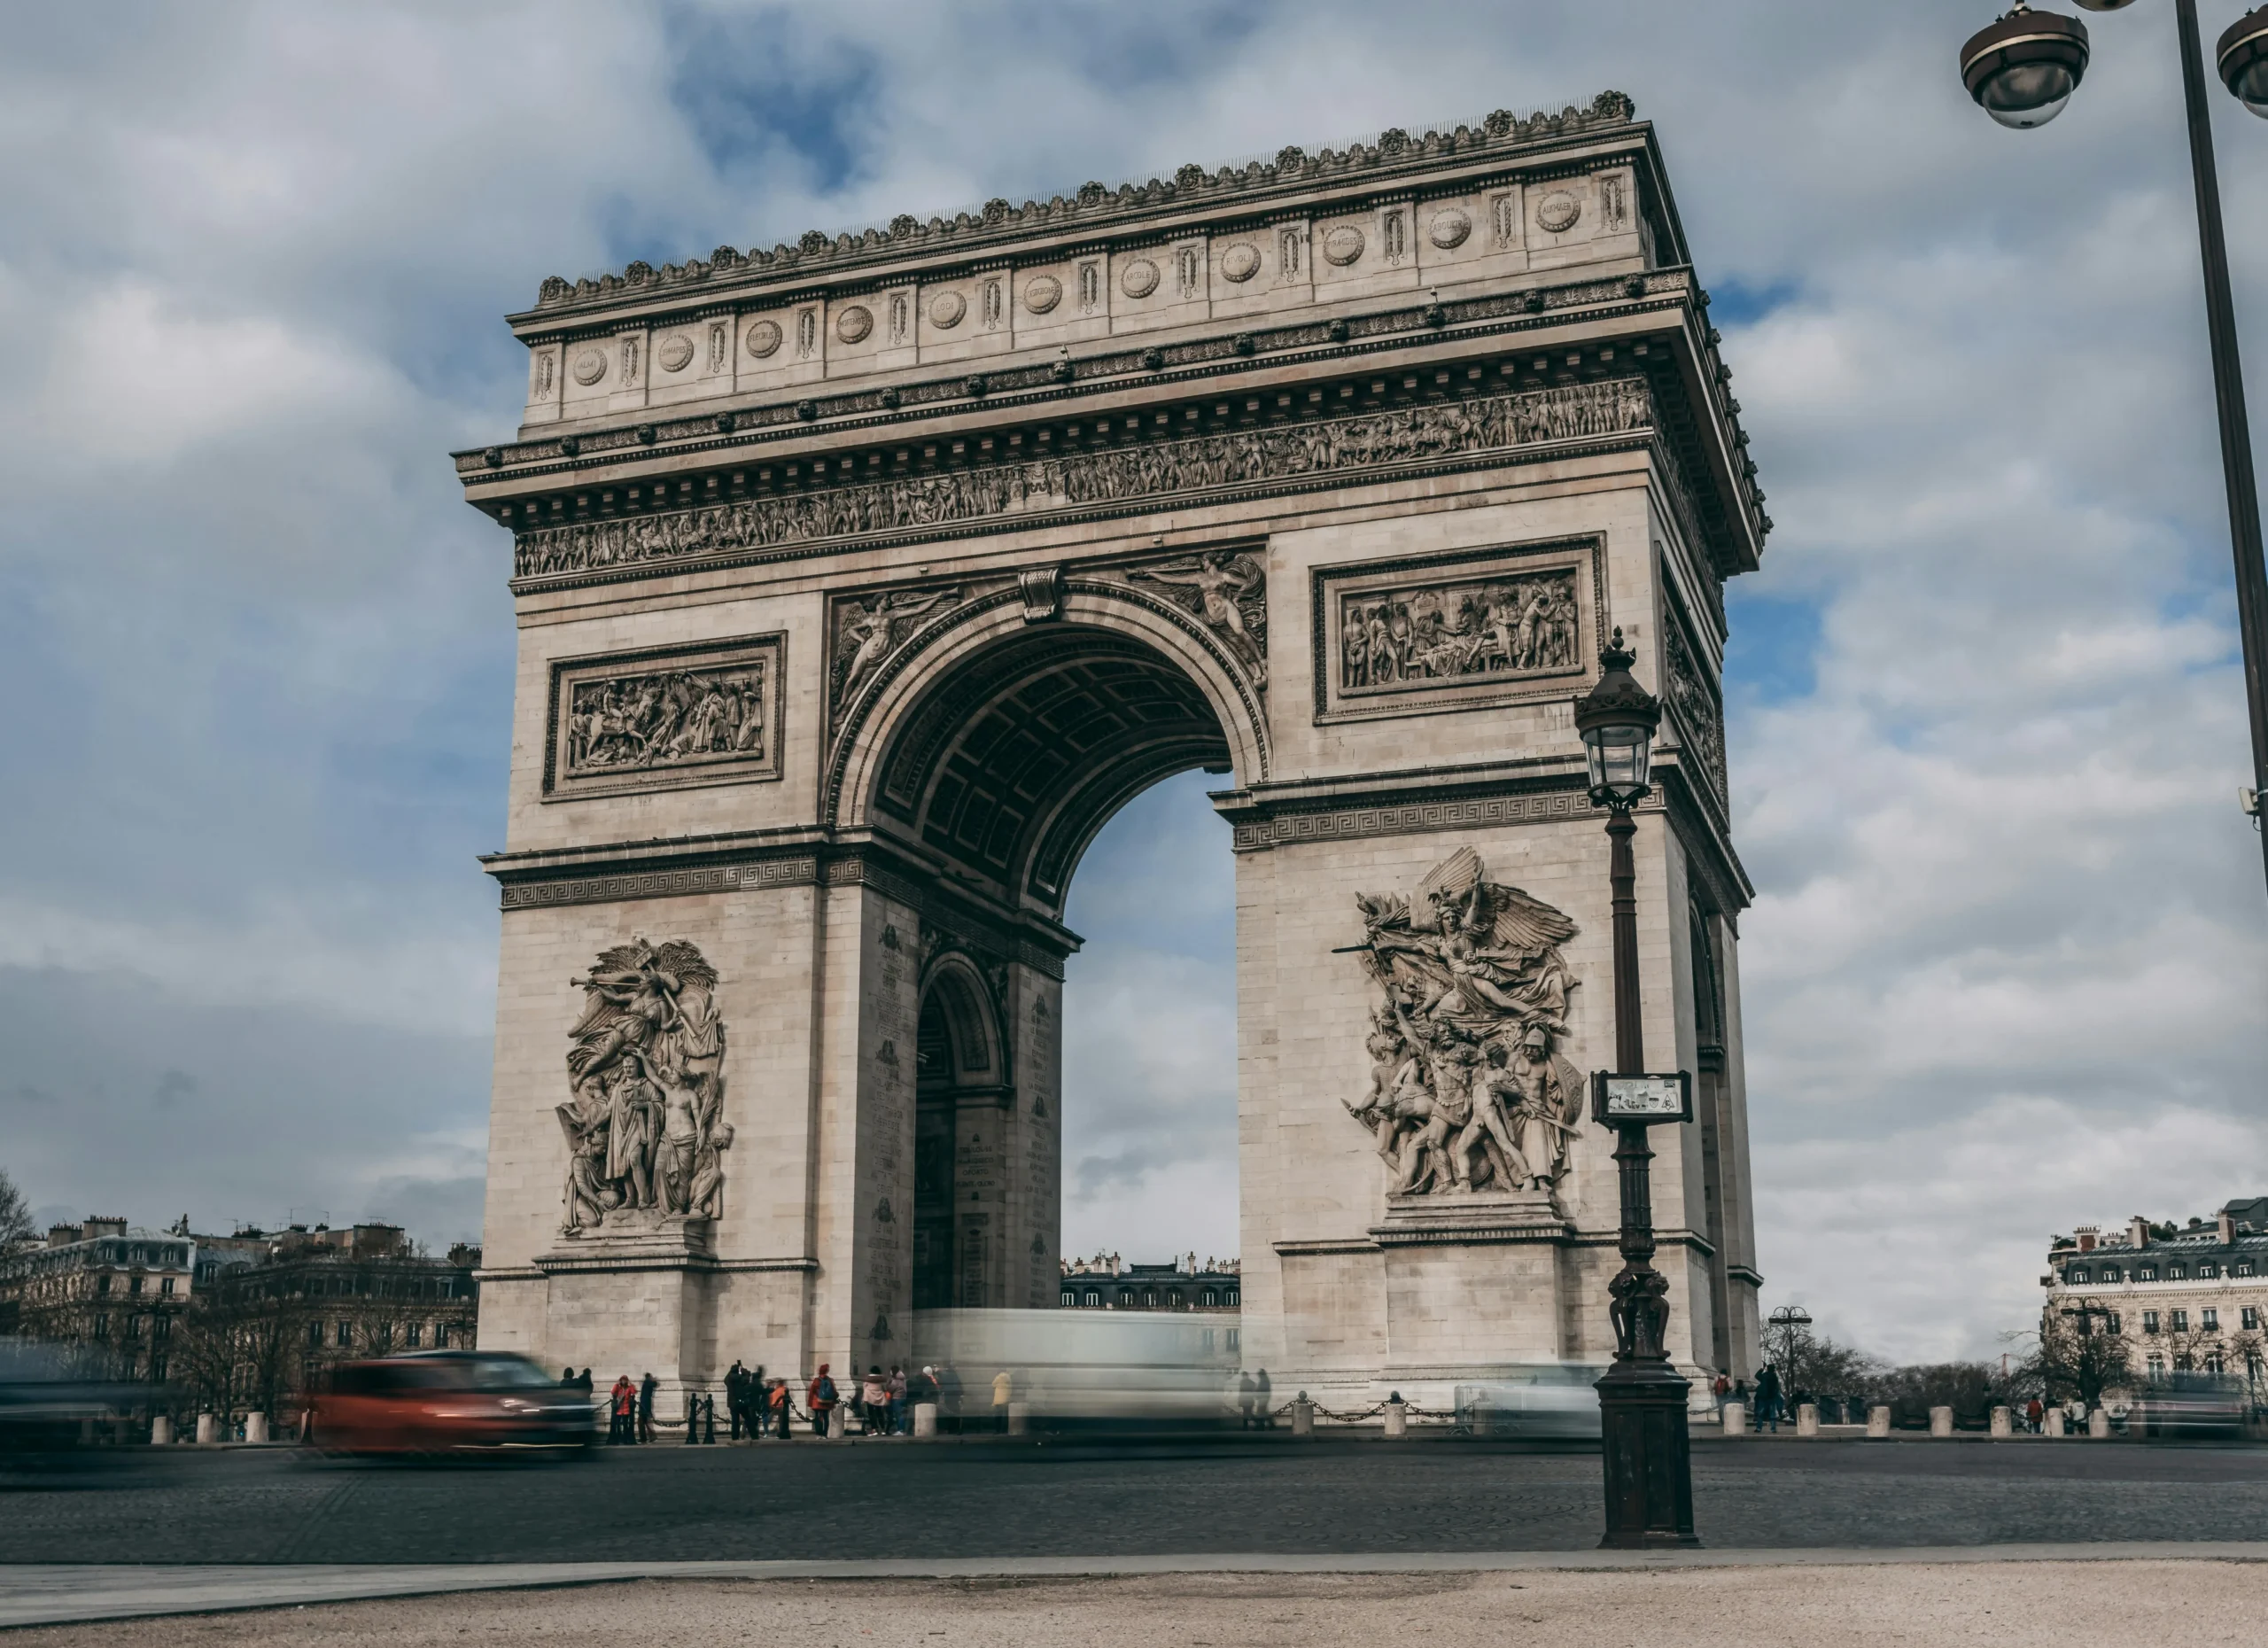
column 449, row 1402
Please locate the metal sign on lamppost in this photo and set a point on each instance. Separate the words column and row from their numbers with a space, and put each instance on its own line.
column 2021, row 71
column 1642, row 1399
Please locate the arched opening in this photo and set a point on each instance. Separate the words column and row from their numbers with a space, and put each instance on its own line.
column 1000, row 768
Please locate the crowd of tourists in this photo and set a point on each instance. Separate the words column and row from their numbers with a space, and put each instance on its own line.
column 757, row 1406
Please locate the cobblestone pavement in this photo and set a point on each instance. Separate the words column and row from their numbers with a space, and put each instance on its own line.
column 2034, row 1604
column 871, row 1499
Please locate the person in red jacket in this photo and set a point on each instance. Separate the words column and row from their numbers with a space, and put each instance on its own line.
column 820, row 1399
column 623, row 1410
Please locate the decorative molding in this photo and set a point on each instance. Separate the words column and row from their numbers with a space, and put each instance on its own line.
column 666, row 718
column 626, row 887
column 1691, row 696
column 1467, row 629
column 1394, row 150
column 1288, row 828
column 1188, row 471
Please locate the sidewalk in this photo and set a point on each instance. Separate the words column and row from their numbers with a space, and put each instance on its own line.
column 2017, row 1597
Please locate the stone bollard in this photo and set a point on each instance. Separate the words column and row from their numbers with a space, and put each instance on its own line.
column 208, row 1429
column 1878, row 1419
column 255, row 1427
column 925, row 1419
column 1302, row 1416
column 1807, row 1420
column 1941, row 1421
column 162, row 1431
column 2098, row 1424
column 2051, row 1423
column 1736, row 1418
column 1397, row 1416
column 2004, row 1423
column 1019, row 1418
column 834, row 1423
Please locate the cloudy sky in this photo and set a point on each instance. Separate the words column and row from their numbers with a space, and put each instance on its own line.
column 2007, row 970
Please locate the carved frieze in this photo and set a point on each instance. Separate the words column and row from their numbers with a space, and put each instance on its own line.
column 643, row 1120
column 1025, row 494
column 1225, row 590
column 1692, row 701
column 1468, row 1089
column 665, row 718
column 1468, row 628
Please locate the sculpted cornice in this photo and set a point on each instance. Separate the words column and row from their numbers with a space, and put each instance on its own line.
column 1044, row 490
column 1395, row 158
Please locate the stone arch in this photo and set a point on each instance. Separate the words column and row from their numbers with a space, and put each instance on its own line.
column 964, row 1085
column 1004, row 744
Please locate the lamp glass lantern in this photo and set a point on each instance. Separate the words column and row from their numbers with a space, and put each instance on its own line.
column 2024, row 69
column 2243, row 57
column 1617, row 719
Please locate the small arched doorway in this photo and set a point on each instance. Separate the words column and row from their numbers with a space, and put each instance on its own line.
column 963, row 1090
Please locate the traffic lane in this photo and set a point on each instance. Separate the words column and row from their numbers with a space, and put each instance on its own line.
column 669, row 1503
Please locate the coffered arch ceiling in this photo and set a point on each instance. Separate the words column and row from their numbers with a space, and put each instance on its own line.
column 1013, row 760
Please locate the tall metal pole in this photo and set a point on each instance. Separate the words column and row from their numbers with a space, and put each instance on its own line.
column 1641, row 1398
column 2228, row 394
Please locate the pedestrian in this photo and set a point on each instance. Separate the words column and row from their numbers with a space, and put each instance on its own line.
column 2034, row 1413
column 1262, row 1401
column 583, row 1381
column 646, row 1389
column 782, row 1409
column 820, row 1399
column 567, row 1380
column 1247, row 1394
column 709, row 1419
column 756, row 1393
column 1722, row 1389
column 1004, row 1391
column 898, row 1422
column 920, row 1387
column 949, row 1395
column 622, row 1407
column 873, row 1401
column 1768, row 1398
column 735, row 1396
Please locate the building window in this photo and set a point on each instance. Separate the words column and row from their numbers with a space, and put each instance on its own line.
column 1093, row 1299
column 2206, row 1272
column 2146, row 1273
column 1069, row 1300
column 1211, row 1298
column 2210, row 1319
column 314, row 1333
column 346, row 1335
column 2158, row 1365
column 166, row 1285
column 102, row 1284
column 2213, row 1363
column 1235, row 1341
column 2077, row 1273
column 2181, row 1321
column 2243, row 1267
column 2176, row 1272
column 2150, row 1321
column 2250, row 1317
column 2112, row 1321
column 101, row 1327
column 2109, row 1272
column 133, row 1284
column 416, row 1331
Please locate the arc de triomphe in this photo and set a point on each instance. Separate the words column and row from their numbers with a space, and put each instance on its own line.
column 859, row 581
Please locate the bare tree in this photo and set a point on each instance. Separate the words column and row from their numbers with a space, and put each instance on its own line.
column 2077, row 1355
column 16, row 1226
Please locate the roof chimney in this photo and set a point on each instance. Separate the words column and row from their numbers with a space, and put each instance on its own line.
column 2088, row 1236
column 2227, row 1222
column 2138, row 1231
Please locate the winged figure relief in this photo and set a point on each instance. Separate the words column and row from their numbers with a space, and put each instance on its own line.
column 645, row 1075
column 1468, row 1087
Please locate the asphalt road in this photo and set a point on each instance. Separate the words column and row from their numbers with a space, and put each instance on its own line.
column 1001, row 1498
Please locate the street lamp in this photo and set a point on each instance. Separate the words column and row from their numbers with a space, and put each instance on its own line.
column 1642, row 1399
column 2021, row 71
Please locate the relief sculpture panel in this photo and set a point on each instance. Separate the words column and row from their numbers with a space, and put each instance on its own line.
column 1699, row 719
column 665, row 718
column 1468, row 1089
column 1463, row 629
column 643, row 1122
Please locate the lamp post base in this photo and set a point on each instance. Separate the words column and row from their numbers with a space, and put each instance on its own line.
column 1648, row 1470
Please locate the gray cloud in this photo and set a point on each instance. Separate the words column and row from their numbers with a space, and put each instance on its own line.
column 2005, row 968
